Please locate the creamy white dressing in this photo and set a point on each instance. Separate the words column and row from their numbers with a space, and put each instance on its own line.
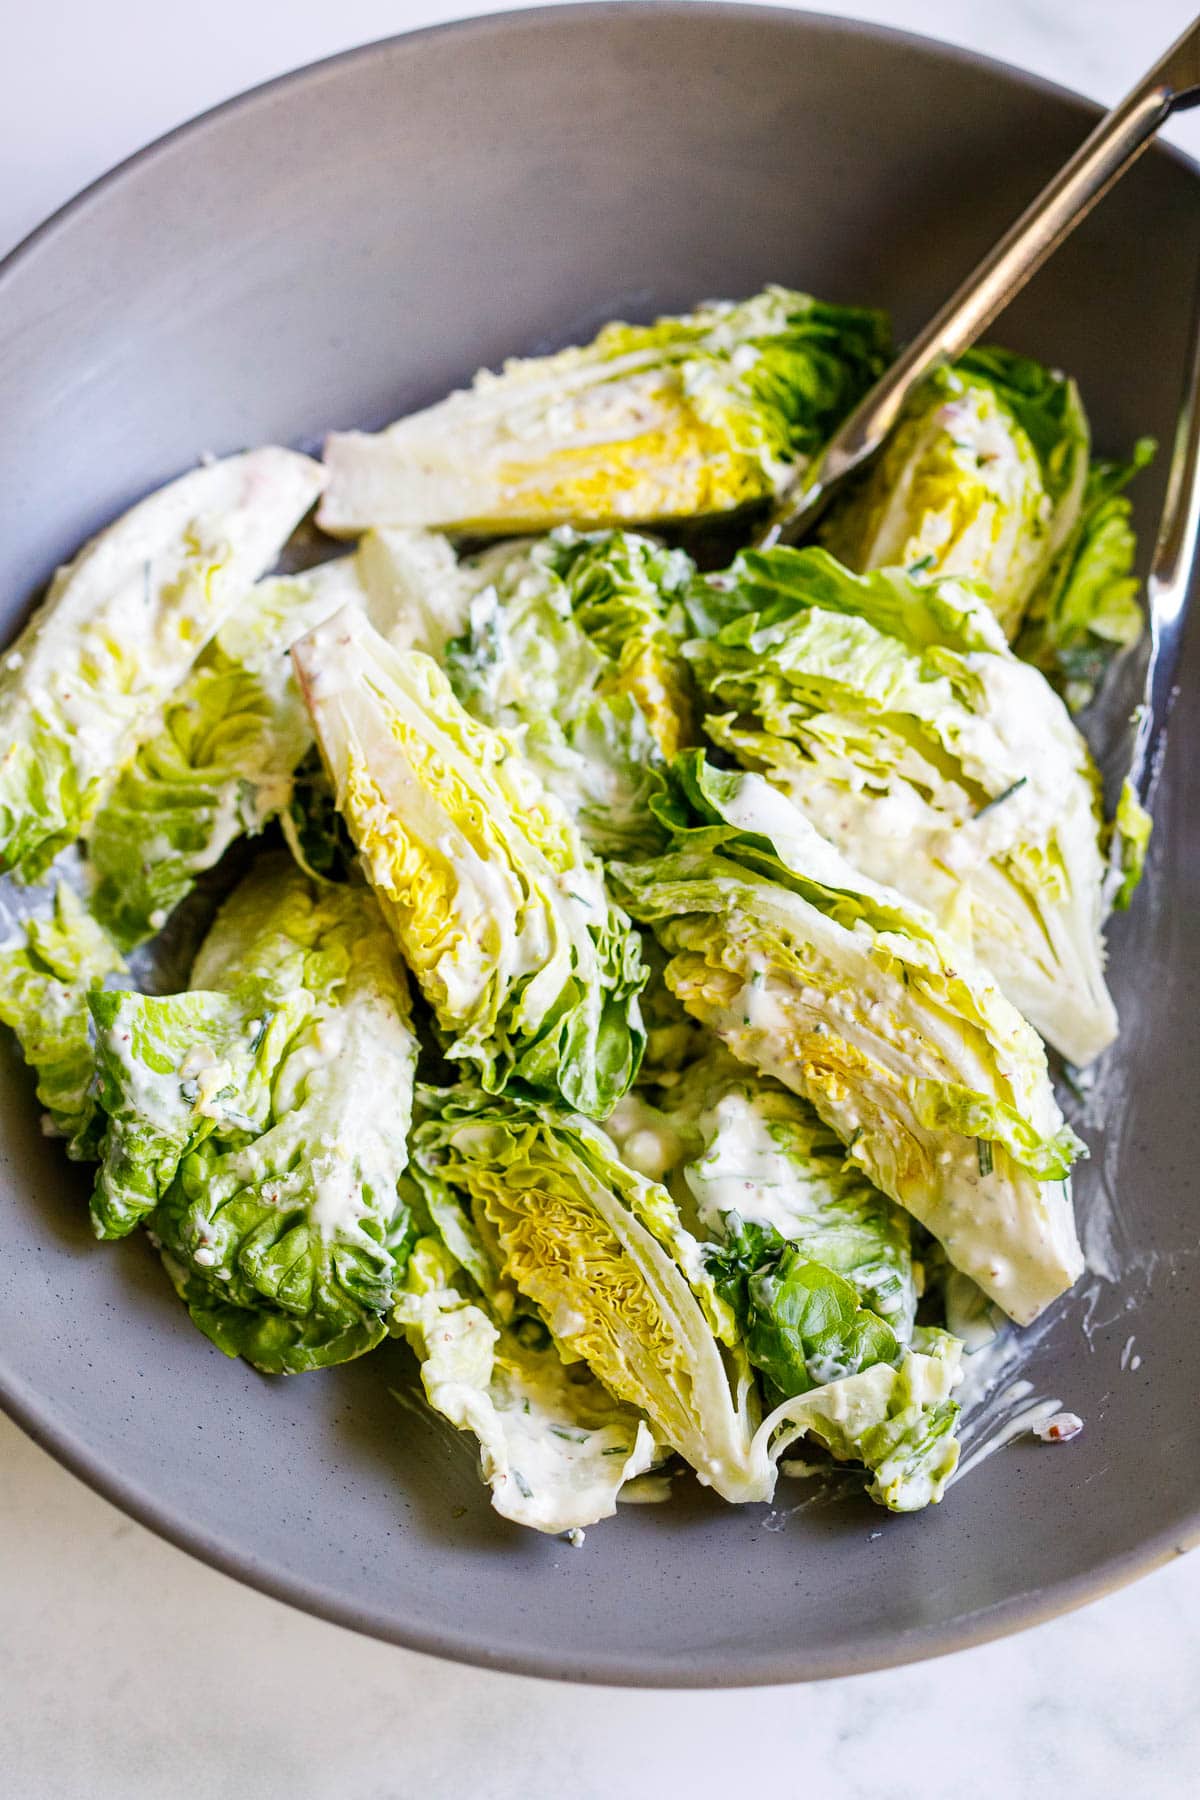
column 746, row 1169
column 556, row 1456
column 644, row 1139
column 1017, row 1421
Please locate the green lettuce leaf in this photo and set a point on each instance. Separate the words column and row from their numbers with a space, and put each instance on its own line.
column 259, row 1123
column 1132, row 827
column 897, row 1421
column 763, row 1174
column 224, row 759
column 573, row 647
column 1086, row 610
column 554, row 1450
column 686, row 417
column 85, row 683
column 891, row 713
column 804, row 1326
column 852, row 997
column 45, row 981
column 983, row 477
column 531, row 971
column 602, row 1254
column 221, row 763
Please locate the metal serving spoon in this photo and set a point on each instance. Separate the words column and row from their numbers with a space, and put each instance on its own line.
column 1172, row 85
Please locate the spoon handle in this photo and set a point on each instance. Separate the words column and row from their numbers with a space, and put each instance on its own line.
column 1170, row 577
column 1120, row 137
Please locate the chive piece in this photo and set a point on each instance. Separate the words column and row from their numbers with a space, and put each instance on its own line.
column 999, row 799
column 523, row 1486
column 983, row 1150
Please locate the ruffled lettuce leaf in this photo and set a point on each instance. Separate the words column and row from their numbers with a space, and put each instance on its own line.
column 893, row 715
column 766, row 1176
column 573, row 648
column 532, row 973
column 853, row 998
column 898, row 1421
column 601, row 1253
column 983, row 477
column 119, row 629
column 688, row 417
column 1086, row 610
column 259, row 1123
column 45, row 981
column 604, row 1256
column 221, row 763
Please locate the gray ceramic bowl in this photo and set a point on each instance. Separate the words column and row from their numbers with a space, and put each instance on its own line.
column 348, row 243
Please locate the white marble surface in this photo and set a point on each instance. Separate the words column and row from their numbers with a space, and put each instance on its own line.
column 130, row 1672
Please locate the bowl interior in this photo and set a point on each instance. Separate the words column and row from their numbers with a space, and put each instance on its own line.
column 347, row 244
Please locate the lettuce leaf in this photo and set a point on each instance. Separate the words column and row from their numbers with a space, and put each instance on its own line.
column 118, row 631
column 573, row 648
column 983, row 477
column 686, row 417
column 45, row 982
column 531, row 971
column 221, row 763
column 893, row 715
column 897, row 1421
column 259, row 1123
column 1132, row 827
column 1086, row 610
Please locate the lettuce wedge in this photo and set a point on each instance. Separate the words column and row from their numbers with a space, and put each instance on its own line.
column 892, row 713
column 618, row 1281
column 851, row 996
column 259, row 1122
column 120, row 627
column 531, row 971
column 687, row 417
column 554, row 1450
column 983, row 477
column 573, row 647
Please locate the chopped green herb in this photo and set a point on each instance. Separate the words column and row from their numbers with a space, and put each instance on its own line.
column 999, row 799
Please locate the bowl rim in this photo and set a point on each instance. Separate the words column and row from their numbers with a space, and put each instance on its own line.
column 20, row 1402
